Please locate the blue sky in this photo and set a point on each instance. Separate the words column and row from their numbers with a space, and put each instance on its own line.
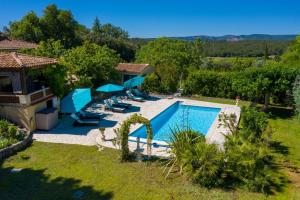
column 154, row 18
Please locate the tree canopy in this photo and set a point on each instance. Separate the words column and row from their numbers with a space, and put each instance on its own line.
column 91, row 64
column 170, row 57
column 292, row 56
column 54, row 24
column 114, row 37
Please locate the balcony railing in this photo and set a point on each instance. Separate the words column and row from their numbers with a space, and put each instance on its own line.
column 28, row 99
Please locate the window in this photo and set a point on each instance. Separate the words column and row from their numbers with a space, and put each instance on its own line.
column 5, row 84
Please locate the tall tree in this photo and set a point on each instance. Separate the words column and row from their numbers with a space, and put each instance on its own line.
column 54, row 24
column 59, row 25
column 95, row 34
column 114, row 37
column 28, row 28
column 170, row 57
column 197, row 53
column 266, row 52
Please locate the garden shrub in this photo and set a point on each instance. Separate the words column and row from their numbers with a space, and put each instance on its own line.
column 152, row 83
column 249, row 160
column 210, row 83
column 204, row 164
column 253, row 123
column 200, row 161
column 9, row 134
column 254, row 84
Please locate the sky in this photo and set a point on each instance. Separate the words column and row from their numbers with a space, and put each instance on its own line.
column 157, row 18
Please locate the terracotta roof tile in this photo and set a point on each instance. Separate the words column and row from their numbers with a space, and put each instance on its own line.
column 15, row 61
column 9, row 44
column 131, row 68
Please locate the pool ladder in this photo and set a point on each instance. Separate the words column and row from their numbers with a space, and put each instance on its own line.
column 185, row 118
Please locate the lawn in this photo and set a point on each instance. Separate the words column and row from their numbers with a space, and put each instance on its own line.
column 59, row 171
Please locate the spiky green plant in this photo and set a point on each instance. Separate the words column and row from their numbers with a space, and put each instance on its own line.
column 181, row 141
column 204, row 164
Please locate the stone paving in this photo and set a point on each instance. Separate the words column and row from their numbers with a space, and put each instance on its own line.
column 64, row 132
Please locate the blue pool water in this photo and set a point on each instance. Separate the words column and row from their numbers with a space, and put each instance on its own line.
column 178, row 115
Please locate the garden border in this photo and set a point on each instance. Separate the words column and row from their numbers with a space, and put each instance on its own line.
column 12, row 149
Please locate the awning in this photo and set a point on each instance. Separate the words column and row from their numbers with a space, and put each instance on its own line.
column 110, row 88
column 76, row 100
column 134, row 82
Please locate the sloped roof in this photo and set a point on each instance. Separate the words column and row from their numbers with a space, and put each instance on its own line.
column 131, row 67
column 10, row 44
column 16, row 61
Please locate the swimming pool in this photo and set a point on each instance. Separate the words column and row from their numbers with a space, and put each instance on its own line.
column 182, row 116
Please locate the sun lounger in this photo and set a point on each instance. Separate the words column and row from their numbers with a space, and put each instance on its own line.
column 109, row 106
column 135, row 98
column 88, row 115
column 84, row 122
column 118, row 103
column 140, row 93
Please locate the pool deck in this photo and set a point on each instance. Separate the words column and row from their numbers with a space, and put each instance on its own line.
column 64, row 132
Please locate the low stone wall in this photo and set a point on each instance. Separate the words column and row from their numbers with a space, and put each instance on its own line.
column 12, row 149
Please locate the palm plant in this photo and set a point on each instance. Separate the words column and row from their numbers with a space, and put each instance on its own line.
column 181, row 141
column 204, row 163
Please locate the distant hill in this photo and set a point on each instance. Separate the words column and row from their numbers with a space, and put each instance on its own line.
column 234, row 37
column 241, row 37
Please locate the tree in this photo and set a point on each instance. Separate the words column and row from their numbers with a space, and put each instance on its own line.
column 96, row 32
column 266, row 56
column 197, row 53
column 59, row 25
column 171, row 59
column 28, row 28
column 54, row 24
column 292, row 56
column 296, row 95
column 49, row 48
column 2, row 36
column 114, row 37
column 93, row 65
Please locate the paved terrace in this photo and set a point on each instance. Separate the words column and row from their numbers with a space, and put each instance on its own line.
column 64, row 132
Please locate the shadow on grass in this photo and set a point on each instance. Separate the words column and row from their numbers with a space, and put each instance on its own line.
column 278, row 147
column 280, row 112
column 36, row 184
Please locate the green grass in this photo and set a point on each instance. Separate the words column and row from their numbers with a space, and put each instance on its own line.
column 220, row 100
column 56, row 171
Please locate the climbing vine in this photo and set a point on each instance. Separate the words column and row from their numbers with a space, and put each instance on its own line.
column 125, row 129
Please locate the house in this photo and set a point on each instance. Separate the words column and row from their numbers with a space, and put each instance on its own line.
column 130, row 70
column 10, row 45
column 22, row 92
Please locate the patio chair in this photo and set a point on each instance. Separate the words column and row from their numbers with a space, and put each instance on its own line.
column 110, row 107
column 134, row 98
column 139, row 93
column 118, row 103
column 88, row 115
column 84, row 122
